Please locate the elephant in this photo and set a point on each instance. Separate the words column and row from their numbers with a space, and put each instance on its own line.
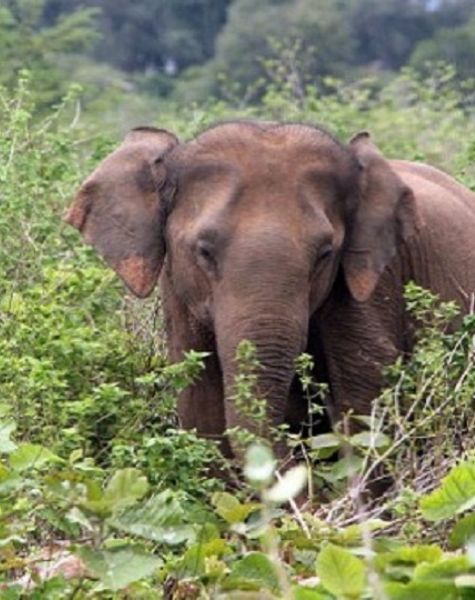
column 280, row 234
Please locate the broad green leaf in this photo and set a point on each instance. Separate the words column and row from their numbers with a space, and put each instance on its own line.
column 343, row 468
column 76, row 455
column 456, row 494
column 421, row 553
column 193, row 562
column 444, row 569
column 325, row 440
column 95, row 502
column 325, row 444
column 160, row 518
column 9, row 480
column 288, row 486
column 77, row 516
column 340, row 572
column 463, row 531
column 117, row 569
column 230, row 509
column 6, row 444
column 195, row 558
column 421, row 590
column 259, row 464
column 28, row 456
column 125, row 487
column 370, row 439
column 94, row 490
column 253, row 572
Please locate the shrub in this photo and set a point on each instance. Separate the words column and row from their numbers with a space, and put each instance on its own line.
column 96, row 474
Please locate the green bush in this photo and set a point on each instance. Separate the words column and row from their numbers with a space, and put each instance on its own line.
column 93, row 467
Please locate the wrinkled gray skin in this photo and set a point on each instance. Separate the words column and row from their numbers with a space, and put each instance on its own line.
column 279, row 234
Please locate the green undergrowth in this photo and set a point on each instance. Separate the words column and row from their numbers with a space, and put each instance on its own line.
column 102, row 495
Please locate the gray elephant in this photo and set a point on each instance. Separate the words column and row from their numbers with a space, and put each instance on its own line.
column 280, row 234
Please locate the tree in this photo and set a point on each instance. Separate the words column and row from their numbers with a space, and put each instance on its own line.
column 27, row 45
column 386, row 32
column 454, row 46
column 258, row 30
column 155, row 35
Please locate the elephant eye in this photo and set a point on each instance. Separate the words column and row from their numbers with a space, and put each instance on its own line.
column 205, row 254
column 325, row 252
column 204, row 250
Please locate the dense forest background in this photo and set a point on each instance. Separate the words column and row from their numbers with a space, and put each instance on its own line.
column 191, row 50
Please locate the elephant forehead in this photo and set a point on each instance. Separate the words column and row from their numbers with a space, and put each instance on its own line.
column 257, row 144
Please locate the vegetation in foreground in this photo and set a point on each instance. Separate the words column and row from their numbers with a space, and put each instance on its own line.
column 103, row 496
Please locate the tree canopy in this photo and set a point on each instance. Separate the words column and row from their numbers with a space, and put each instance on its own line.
column 159, row 44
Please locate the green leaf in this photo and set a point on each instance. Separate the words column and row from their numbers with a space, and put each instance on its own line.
column 325, row 440
column 6, row 444
column 230, row 509
column 340, row 572
column 194, row 559
column 288, row 486
column 117, row 569
column 9, row 480
column 456, row 494
column 259, row 464
column 421, row 590
column 28, row 456
column 325, row 444
column 444, row 569
column 125, row 488
column 160, row 519
column 370, row 439
column 343, row 468
column 253, row 572
column 354, row 534
column 462, row 531
column 306, row 593
column 421, row 553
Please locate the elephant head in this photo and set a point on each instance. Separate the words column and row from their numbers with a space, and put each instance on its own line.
column 253, row 221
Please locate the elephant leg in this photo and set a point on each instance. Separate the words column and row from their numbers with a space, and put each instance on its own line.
column 201, row 405
column 297, row 414
column 355, row 364
column 359, row 340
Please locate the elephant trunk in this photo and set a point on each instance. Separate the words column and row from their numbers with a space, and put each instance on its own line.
column 279, row 335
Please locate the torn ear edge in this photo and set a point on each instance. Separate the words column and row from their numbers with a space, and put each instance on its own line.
column 132, row 242
column 77, row 213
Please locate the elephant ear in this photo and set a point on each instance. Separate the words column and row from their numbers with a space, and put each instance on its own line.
column 119, row 208
column 385, row 215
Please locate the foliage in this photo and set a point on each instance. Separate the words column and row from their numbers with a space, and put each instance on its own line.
column 191, row 49
column 451, row 45
column 103, row 496
column 27, row 44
